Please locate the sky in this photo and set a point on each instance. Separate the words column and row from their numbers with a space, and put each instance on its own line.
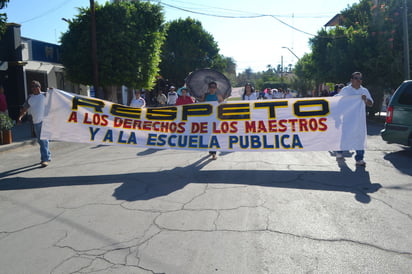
column 254, row 33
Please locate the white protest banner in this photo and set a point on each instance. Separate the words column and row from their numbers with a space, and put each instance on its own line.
column 297, row 124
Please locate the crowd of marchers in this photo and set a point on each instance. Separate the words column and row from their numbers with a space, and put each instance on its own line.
column 249, row 93
column 160, row 98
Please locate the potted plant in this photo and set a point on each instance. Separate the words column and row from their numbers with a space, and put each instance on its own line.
column 6, row 124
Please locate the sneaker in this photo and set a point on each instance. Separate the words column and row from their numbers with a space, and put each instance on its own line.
column 339, row 155
column 44, row 163
column 360, row 163
column 214, row 157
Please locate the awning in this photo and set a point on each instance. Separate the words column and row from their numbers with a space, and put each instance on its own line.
column 40, row 66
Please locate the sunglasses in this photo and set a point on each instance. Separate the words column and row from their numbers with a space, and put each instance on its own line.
column 357, row 78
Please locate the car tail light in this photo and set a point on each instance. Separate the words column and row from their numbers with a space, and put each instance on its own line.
column 389, row 115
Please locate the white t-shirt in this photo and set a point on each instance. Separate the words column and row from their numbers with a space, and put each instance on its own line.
column 277, row 95
column 350, row 90
column 268, row 95
column 172, row 97
column 252, row 96
column 138, row 103
column 36, row 104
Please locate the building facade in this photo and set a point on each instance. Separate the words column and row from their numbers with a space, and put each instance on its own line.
column 23, row 60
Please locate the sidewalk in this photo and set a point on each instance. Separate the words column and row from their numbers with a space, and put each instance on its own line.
column 22, row 136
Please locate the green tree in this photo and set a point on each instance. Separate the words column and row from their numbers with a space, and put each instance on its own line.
column 304, row 69
column 129, row 37
column 370, row 40
column 3, row 17
column 268, row 79
column 379, row 50
column 247, row 76
column 188, row 47
column 260, row 80
column 225, row 65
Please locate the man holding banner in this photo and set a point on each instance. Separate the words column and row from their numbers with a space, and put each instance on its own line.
column 355, row 88
column 36, row 102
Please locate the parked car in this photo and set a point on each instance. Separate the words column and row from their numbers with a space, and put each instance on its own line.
column 398, row 125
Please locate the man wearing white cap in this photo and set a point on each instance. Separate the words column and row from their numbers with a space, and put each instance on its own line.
column 172, row 96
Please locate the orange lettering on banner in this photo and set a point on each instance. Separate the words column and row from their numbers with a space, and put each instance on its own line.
column 224, row 127
column 323, row 126
column 294, row 125
column 96, row 119
column 73, row 117
column 199, row 127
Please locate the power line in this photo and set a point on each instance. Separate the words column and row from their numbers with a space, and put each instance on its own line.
column 47, row 12
column 250, row 16
column 212, row 15
column 292, row 27
column 318, row 15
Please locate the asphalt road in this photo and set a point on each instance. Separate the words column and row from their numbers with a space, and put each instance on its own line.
column 102, row 209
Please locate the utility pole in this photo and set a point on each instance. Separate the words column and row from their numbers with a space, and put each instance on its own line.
column 405, row 42
column 97, row 91
column 281, row 70
column 293, row 52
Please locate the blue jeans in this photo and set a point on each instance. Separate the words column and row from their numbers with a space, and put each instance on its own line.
column 45, row 155
column 358, row 156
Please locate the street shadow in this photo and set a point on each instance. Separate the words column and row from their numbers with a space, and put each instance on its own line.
column 19, row 170
column 148, row 151
column 224, row 153
column 99, row 146
column 345, row 154
column 359, row 174
column 401, row 160
column 149, row 185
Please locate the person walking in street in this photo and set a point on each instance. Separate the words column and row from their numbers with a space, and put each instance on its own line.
column 337, row 89
column 268, row 94
column 3, row 101
column 288, row 94
column 356, row 88
column 161, row 99
column 277, row 94
column 184, row 98
column 249, row 93
column 172, row 96
column 138, row 101
column 212, row 95
column 36, row 103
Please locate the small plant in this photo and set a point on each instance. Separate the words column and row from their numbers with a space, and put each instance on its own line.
column 6, row 123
